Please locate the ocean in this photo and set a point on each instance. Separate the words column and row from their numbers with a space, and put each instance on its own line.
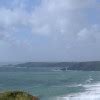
column 49, row 84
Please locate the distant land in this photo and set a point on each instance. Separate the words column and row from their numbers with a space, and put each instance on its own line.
column 84, row 66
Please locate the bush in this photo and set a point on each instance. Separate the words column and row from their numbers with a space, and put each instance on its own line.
column 16, row 95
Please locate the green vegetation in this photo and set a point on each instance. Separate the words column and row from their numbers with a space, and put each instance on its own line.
column 16, row 95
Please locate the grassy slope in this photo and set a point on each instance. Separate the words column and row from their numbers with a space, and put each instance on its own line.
column 17, row 96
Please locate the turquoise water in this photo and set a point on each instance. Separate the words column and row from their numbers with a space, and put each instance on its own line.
column 50, row 85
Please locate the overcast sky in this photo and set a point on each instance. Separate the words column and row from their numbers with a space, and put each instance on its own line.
column 49, row 30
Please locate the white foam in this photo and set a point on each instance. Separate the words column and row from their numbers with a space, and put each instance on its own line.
column 92, row 93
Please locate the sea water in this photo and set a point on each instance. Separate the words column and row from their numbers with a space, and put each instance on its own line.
column 53, row 85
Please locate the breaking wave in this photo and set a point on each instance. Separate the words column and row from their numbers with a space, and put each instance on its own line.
column 92, row 93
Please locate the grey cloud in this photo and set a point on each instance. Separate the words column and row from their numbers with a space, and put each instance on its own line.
column 64, row 21
column 91, row 34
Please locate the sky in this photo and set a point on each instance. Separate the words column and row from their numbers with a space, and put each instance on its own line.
column 49, row 30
